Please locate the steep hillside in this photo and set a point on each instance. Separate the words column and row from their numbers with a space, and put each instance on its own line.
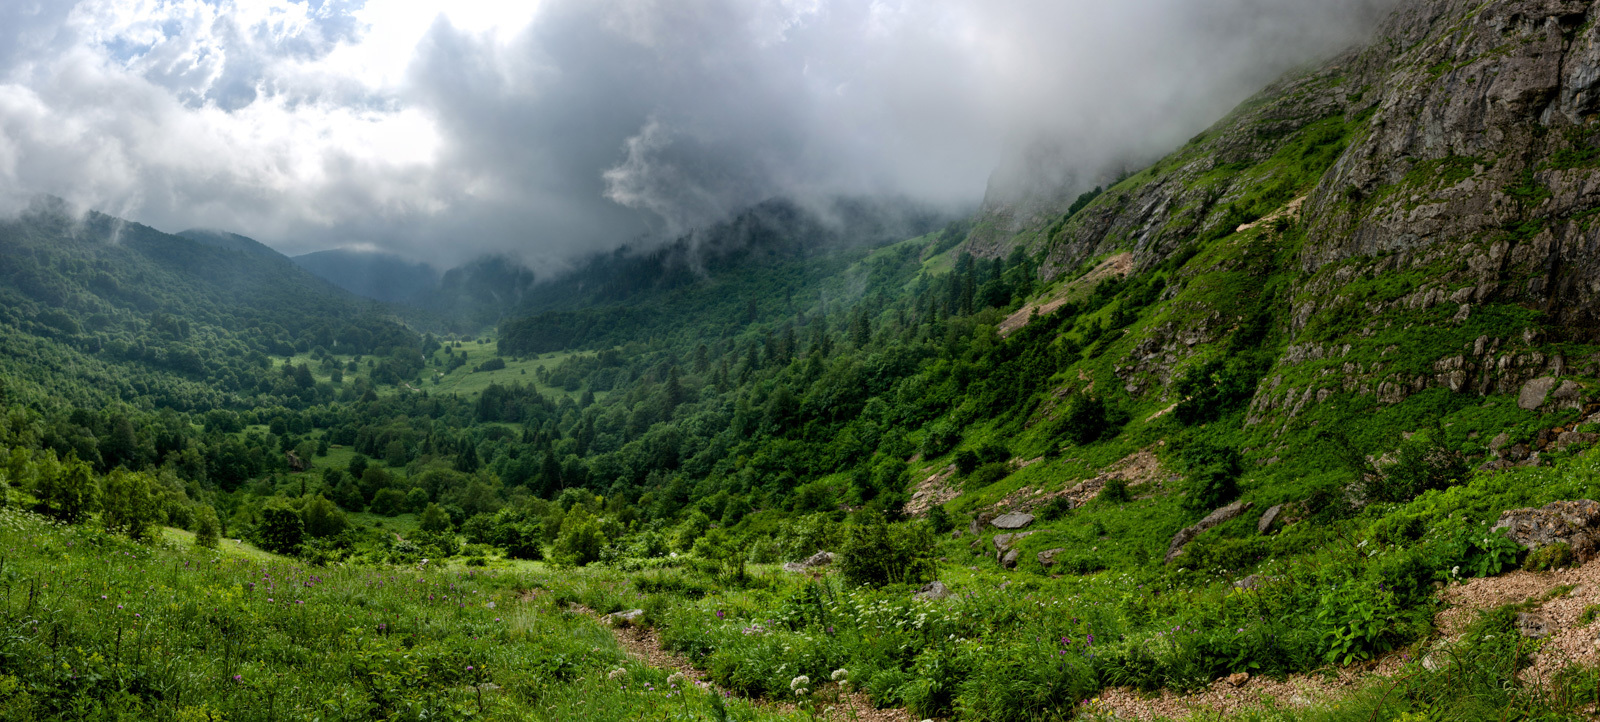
column 99, row 309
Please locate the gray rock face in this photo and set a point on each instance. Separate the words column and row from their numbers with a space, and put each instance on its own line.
column 1535, row 392
column 1012, row 521
column 1574, row 523
column 932, row 591
column 976, row 527
column 1182, row 538
column 1009, row 561
column 1268, row 519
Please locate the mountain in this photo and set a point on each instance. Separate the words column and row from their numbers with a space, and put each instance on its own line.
column 1295, row 399
column 98, row 308
column 379, row 276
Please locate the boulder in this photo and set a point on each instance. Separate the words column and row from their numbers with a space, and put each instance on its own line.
column 1187, row 534
column 1533, row 625
column 932, row 591
column 1013, row 520
column 1009, row 561
column 1574, row 523
column 1004, row 542
column 820, row 559
column 1048, row 558
column 976, row 527
column 623, row 619
column 1569, row 395
column 1568, row 438
column 1268, row 519
column 1534, row 393
column 1239, row 679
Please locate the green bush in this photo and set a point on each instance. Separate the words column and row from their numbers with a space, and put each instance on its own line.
column 1549, row 556
column 988, row 474
column 207, row 530
column 1213, row 475
column 1115, row 491
column 876, row 553
column 280, row 529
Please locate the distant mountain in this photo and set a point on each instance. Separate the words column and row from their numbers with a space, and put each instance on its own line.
column 94, row 308
column 380, row 276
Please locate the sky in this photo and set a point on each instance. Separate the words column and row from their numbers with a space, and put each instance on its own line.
column 548, row 129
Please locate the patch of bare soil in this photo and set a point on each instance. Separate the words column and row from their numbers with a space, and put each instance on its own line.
column 1224, row 698
column 1141, row 467
column 1559, row 619
column 936, row 489
column 1118, row 265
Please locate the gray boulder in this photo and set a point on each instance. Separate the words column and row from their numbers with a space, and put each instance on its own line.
column 1009, row 561
column 623, row 619
column 1048, row 557
column 1268, row 519
column 1004, row 542
column 820, row 559
column 932, row 591
column 1534, row 393
column 1013, row 520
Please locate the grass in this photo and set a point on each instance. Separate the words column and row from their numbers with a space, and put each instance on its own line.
column 96, row 627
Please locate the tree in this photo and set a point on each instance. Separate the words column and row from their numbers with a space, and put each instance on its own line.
column 875, row 553
column 388, row 502
column 280, row 530
column 580, row 540
column 207, row 530
column 323, row 518
column 66, row 491
column 435, row 520
column 128, row 507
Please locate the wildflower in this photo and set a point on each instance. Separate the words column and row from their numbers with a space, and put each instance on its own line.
column 617, row 673
column 840, row 675
column 676, row 679
column 799, row 682
column 469, row 668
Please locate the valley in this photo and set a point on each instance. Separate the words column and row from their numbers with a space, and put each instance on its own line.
column 1296, row 422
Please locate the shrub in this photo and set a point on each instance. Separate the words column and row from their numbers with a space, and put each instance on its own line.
column 1087, row 419
column 494, row 364
column 939, row 520
column 988, row 474
column 435, row 520
column 875, row 553
column 280, row 530
column 388, row 502
column 580, row 541
column 941, row 437
column 323, row 518
column 207, row 530
column 1213, row 475
column 1056, row 508
column 1115, row 491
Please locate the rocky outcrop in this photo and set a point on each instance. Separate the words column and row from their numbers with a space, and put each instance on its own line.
column 1182, row 538
column 1574, row 523
column 623, row 619
column 1049, row 557
column 1012, row 521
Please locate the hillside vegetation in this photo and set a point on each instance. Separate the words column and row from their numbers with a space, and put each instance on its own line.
column 1245, row 411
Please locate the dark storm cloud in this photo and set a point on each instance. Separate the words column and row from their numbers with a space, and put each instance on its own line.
column 597, row 121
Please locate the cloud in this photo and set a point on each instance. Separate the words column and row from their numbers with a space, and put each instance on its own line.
column 552, row 128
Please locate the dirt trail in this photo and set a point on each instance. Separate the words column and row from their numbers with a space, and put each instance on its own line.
column 644, row 645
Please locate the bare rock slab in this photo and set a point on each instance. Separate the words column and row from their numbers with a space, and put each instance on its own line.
column 1182, row 538
column 1012, row 521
